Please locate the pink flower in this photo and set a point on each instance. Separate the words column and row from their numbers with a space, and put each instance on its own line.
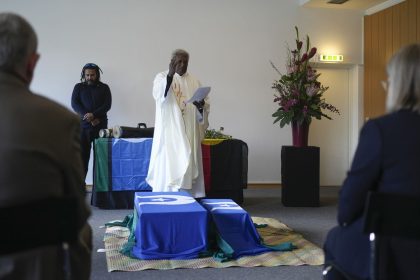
column 312, row 52
column 289, row 104
column 292, row 69
column 304, row 58
column 311, row 90
column 311, row 74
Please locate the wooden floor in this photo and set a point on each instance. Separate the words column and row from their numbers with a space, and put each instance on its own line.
column 264, row 186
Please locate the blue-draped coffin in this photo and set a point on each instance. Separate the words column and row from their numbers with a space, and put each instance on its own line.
column 235, row 228
column 170, row 225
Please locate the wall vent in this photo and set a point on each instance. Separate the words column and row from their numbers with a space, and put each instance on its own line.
column 337, row 1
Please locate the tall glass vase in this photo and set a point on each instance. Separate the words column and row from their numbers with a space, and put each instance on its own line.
column 300, row 134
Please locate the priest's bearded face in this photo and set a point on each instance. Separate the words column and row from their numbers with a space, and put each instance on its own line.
column 181, row 64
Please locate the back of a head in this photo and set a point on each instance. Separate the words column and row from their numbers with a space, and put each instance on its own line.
column 404, row 79
column 17, row 42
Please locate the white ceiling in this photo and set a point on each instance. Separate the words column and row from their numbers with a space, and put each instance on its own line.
column 362, row 5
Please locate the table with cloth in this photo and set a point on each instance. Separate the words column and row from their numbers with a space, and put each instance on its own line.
column 120, row 168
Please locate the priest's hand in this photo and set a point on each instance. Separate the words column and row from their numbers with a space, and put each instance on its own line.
column 172, row 67
column 199, row 105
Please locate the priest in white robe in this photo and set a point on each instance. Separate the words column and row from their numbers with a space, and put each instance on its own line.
column 176, row 159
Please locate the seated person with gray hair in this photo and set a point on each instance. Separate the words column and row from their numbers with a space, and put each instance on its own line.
column 40, row 160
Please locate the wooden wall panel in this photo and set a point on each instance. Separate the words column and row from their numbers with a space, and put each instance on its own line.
column 418, row 21
column 388, row 34
column 404, row 23
column 375, row 65
column 378, row 58
column 396, row 29
column 385, row 33
column 367, row 51
column 412, row 21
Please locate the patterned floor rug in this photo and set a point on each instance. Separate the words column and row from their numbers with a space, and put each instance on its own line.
column 306, row 253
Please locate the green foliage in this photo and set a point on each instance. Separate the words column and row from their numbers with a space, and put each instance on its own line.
column 214, row 134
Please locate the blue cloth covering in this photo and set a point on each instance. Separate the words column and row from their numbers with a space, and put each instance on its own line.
column 237, row 235
column 170, row 225
column 130, row 163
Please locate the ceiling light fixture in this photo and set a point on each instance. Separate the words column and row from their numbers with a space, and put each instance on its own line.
column 337, row 1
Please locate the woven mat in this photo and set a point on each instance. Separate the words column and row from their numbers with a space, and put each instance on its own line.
column 276, row 232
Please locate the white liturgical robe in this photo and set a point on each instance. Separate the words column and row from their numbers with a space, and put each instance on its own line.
column 176, row 160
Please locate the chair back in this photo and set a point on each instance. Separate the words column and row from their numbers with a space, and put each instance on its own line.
column 390, row 217
column 50, row 221
column 393, row 215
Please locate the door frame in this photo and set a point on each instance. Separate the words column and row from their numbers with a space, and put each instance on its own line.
column 356, row 111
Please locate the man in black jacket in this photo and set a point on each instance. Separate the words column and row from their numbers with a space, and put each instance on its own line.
column 91, row 99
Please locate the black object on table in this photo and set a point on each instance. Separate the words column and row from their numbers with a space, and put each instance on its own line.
column 141, row 131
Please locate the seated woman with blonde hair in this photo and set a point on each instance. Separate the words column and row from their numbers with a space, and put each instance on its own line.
column 387, row 160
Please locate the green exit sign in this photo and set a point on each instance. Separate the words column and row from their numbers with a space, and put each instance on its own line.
column 331, row 57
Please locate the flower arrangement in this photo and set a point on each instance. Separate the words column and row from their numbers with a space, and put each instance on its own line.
column 213, row 134
column 299, row 93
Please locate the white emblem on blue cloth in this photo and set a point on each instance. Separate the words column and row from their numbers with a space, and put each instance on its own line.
column 224, row 205
column 164, row 199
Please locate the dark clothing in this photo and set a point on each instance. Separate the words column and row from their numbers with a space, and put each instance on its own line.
column 95, row 99
column 387, row 160
column 87, row 137
column 40, row 158
column 168, row 83
column 349, row 248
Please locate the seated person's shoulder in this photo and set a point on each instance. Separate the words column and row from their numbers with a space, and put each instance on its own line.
column 49, row 107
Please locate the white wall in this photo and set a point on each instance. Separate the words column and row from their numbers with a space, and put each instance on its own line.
column 337, row 32
column 230, row 44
